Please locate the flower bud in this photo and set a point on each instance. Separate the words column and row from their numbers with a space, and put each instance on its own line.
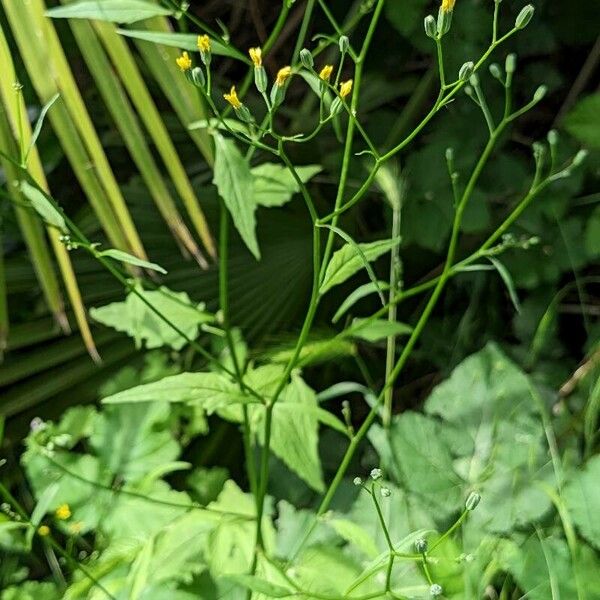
column 376, row 474
column 524, row 17
column 386, row 492
column 466, row 71
column 540, row 93
column 495, row 71
column 336, row 106
column 474, row 80
column 472, row 501
column 580, row 157
column 552, row 137
column 197, row 77
column 306, row 58
column 430, row 29
column 421, row 546
column 511, row 63
column 357, row 481
column 436, row 590
column 261, row 80
column 344, row 44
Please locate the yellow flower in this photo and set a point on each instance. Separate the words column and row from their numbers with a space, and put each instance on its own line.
column 232, row 98
column 184, row 62
column 283, row 75
column 63, row 512
column 75, row 527
column 326, row 72
column 256, row 56
column 345, row 88
column 43, row 530
column 203, row 43
column 448, row 5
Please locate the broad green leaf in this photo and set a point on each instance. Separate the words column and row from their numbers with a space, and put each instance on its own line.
column 261, row 586
column 359, row 293
column 43, row 206
column 294, row 436
column 355, row 535
column 583, row 122
column 132, row 260
column 373, row 330
column 346, row 261
column 185, row 41
column 211, row 391
column 234, row 181
column 116, row 11
column 143, row 324
column 274, row 185
column 582, row 497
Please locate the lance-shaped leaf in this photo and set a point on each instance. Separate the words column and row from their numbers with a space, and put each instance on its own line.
column 117, row 11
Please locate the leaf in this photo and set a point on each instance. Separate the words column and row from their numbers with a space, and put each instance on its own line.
column 583, row 122
column 373, row 330
column 234, row 181
column 185, row 41
column 43, row 206
column 116, row 11
column 132, row 260
column 40, row 122
column 139, row 321
column 359, row 293
column 274, row 185
column 582, row 497
column 346, row 261
column 294, row 436
column 261, row 586
column 211, row 391
column 508, row 282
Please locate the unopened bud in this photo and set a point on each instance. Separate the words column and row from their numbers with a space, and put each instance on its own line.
column 197, row 77
column 511, row 63
column 580, row 157
column 421, row 546
column 386, row 492
column 540, row 93
column 552, row 137
column 344, row 44
column 449, row 155
column 466, row 71
column 336, row 106
column 495, row 71
column 357, row 481
column 435, row 590
column 306, row 58
column 472, row 501
column 524, row 17
column 430, row 29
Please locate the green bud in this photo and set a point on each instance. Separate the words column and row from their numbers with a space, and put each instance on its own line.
column 552, row 137
column 306, row 58
column 466, row 71
column 511, row 63
column 495, row 71
column 435, row 590
column 540, row 93
column 357, row 481
column 472, row 501
column 524, row 17
column 344, row 44
column 430, row 29
column 197, row 77
column 421, row 546
column 376, row 474
column 474, row 80
column 336, row 106
column 386, row 492
column 261, row 80
column 450, row 155
column 580, row 157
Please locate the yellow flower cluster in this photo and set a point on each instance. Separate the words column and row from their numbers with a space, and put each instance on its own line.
column 203, row 43
column 345, row 88
column 256, row 56
column 282, row 76
column 326, row 72
column 63, row 512
column 448, row 5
